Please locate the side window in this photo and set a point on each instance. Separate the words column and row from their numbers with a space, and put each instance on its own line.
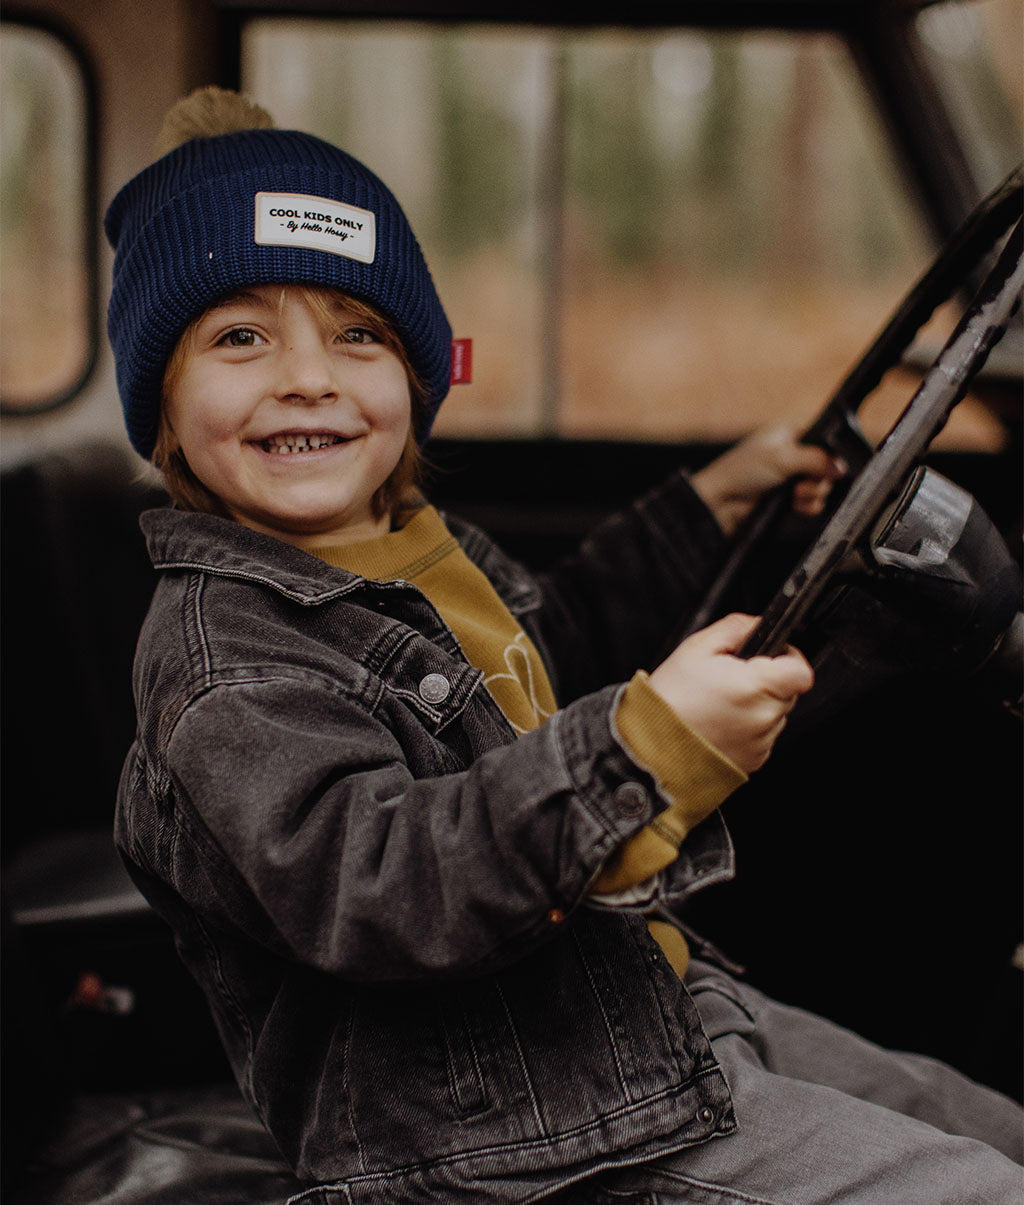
column 47, row 327
column 666, row 235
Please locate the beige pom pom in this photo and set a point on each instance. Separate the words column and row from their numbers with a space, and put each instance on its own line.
column 207, row 112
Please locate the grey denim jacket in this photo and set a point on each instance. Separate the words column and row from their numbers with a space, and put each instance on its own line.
column 383, row 892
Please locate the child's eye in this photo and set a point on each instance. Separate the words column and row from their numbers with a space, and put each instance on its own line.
column 358, row 334
column 240, row 336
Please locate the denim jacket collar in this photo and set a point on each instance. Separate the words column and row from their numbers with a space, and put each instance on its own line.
column 208, row 543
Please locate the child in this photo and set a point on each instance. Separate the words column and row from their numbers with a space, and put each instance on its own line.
column 422, row 826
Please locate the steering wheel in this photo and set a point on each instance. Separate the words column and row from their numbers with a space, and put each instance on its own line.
column 879, row 477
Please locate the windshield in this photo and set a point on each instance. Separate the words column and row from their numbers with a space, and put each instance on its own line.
column 647, row 234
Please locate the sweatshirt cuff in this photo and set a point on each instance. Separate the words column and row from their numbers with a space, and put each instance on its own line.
column 691, row 773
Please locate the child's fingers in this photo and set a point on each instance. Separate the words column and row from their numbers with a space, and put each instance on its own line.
column 780, row 446
column 738, row 705
column 817, row 463
column 810, row 496
column 787, row 676
column 812, row 487
column 732, row 483
column 727, row 634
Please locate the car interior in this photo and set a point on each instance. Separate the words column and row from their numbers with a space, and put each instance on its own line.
column 661, row 226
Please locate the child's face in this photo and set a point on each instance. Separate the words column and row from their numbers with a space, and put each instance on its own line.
column 266, row 374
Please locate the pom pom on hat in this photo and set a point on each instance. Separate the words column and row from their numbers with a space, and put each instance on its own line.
column 207, row 112
column 185, row 232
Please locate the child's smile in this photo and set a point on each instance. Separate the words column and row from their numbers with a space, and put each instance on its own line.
column 293, row 418
column 300, row 442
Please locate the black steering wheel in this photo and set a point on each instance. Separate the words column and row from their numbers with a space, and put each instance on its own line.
column 880, row 476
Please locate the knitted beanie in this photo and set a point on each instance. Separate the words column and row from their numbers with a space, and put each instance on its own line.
column 251, row 208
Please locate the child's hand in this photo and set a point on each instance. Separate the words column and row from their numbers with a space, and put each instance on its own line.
column 739, row 706
column 732, row 484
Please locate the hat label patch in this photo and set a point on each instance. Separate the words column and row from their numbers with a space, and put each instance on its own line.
column 289, row 219
column 462, row 362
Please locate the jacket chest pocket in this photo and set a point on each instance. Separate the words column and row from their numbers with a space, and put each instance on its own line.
column 436, row 686
column 436, row 697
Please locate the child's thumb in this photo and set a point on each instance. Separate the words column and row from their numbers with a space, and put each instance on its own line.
column 727, row 634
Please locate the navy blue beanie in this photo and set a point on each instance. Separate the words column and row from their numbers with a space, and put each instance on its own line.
column 251, row 208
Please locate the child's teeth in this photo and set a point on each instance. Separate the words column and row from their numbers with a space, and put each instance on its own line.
column 287, row 444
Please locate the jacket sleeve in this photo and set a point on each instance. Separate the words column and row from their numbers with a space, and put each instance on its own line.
column 312, row 833
column 614, row 606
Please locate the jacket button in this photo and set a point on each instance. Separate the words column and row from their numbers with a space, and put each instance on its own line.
column 630, row 800
column 435, row 688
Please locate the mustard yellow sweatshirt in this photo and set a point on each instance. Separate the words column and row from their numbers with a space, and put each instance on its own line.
column 690, row 772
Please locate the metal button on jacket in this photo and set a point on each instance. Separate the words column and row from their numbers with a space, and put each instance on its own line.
column 630, row 799
column 435, row 688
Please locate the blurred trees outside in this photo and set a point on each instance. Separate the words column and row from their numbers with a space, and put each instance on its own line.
column 45, row 325
column 653, row 234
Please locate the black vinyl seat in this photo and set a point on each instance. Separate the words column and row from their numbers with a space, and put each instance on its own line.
column 115, row 1088
column 203, row 1147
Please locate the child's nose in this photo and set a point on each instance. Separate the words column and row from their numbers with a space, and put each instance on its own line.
column 307, row 373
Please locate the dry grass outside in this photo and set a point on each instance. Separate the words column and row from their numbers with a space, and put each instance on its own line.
column 672, row 359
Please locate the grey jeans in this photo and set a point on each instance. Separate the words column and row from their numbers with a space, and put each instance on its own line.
column 827, row 1118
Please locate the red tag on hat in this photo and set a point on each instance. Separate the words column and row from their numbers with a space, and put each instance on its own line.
column 462, row 362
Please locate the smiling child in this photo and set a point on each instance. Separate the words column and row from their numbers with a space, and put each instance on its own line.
column 423, row 823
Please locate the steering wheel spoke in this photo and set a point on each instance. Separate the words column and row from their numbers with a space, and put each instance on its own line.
column 883, row 476
column 877, row 475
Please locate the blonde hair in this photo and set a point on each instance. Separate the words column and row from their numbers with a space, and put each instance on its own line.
column 396, row 497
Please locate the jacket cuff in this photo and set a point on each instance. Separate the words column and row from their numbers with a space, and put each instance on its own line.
column 693, row 775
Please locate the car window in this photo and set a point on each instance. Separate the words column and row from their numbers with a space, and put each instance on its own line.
column 975, row 53
column 47, row 329
column 647, row 234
